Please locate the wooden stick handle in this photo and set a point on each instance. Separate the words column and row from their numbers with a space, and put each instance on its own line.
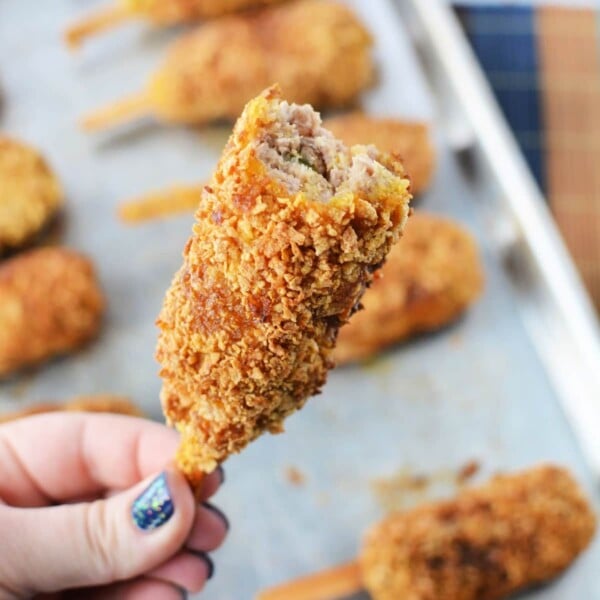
column 104, row 19
column 179, row 199
column 332, row 584
column 117, row 113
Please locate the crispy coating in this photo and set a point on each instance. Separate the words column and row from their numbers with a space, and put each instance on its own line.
column 429, row 279
column 488, row 543
column 410, row 140
column 51, row 304
column 317, row 50
column 30, row 194
column 250, row 320
column 97, row 403
column 179, row 11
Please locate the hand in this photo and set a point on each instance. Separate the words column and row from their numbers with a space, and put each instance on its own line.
column 87, row 502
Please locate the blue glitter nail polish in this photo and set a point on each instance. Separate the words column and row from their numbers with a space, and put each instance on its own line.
column 154, row 507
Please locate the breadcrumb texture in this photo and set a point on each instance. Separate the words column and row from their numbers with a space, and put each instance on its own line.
column 251, row 318
column 30, row 194
column 98, row 403
column 317, row 50
column 51, row 304
column 178, row 11
column 410, row 140
column 490, row 542
column 429, row 279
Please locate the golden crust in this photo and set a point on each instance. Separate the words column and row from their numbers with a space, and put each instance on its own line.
column 97, row 403
column 410, row 140
column 250, row 320
column 316, row 50
column 30, row 194
column 51, row 304
column 429, row 279
column 488, row 543
column 178, row 11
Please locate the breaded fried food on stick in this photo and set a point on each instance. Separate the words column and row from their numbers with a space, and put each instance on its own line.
column 158, row 12
column 287, row 236
column 429, row 279
column 97, row 403
column 30, row 194
column 50, row 304
column 318, row 51
column 488, row 543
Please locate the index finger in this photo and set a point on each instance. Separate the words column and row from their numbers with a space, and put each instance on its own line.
column 64, row 456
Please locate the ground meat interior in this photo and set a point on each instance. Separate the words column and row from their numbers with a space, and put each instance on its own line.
column 301, row 154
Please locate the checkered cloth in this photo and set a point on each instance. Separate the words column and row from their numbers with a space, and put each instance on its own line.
column 544, row 66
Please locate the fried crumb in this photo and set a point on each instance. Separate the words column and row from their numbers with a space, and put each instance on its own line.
column 295, row 476
column 467, row 472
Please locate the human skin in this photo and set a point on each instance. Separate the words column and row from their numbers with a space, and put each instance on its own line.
column 76, row 533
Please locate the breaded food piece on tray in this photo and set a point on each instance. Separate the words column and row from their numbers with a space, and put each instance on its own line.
column 51, row 304
column 489, row 543
column 410, row 140
column 98, row 403
column 317, row 50
column 429, row 279
column 30, row 194
column 158, row 12
column 287, row 236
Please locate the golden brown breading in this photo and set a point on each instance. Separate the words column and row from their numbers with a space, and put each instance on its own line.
column 287, row 235
column 488, row 543
column 429, row 279
column 98, row 403
column 51, row 304
column 410, row 140
column 179, row 11
column 317, row 50
column 30, row 194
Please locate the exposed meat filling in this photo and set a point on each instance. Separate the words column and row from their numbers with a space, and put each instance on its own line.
column 301, row 154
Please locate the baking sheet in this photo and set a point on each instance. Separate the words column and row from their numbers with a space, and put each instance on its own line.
column 474, row 391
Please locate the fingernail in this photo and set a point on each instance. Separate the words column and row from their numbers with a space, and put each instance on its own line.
column 154, row 507
column 217, row 512
column 210, row 565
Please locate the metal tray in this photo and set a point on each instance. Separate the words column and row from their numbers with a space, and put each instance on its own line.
column 513, row 383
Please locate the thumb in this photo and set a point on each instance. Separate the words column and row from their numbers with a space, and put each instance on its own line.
column 80, row 545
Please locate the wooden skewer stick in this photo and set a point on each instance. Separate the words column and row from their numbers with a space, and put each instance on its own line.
column 117, row 113
column 332, row 584
column 104, row 19
column 179, row 199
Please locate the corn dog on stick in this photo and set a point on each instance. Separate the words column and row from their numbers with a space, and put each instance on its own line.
column 160, row 12
column 488, row 543
column 178, row 199
column 211, row 73
column 338, row 582
column 287, row 236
